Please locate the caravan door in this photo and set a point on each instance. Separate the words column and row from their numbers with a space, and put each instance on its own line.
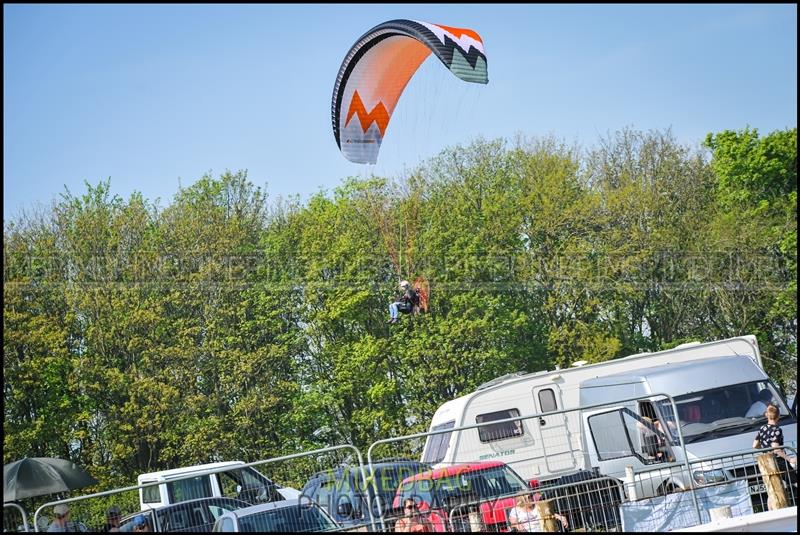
column 553, row 430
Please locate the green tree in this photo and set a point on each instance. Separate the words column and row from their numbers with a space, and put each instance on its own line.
column 756, row 221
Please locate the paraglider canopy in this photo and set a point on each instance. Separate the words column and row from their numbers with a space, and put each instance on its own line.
column 377, row 68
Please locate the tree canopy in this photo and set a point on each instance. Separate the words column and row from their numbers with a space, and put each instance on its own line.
column 225, row 326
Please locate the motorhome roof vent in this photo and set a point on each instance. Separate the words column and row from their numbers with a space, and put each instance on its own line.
column 579, row 363
column 687, row 344
column 502, row 378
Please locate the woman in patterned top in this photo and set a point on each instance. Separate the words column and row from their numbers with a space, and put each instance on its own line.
column 771, row 436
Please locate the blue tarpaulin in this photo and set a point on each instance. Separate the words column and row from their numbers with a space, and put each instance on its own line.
column 675, row 511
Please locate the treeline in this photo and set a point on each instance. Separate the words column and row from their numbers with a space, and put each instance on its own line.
column 228, row 326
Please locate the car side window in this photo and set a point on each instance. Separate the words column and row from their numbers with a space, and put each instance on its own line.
column 189, row 489
column 226, row 525
column 324, row 494
column 151, row 494
column 217, row 511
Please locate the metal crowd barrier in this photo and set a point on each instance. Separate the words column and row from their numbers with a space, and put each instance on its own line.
column 10, row 521
column 588, row 505
column 554, row 451
column 662, row 493
column 197, row 510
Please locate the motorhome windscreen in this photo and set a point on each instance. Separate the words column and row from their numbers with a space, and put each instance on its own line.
column 436, row 445
column 286, row 520
column 723, row 411
column 490, row 483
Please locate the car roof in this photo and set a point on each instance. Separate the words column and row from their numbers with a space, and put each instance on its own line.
column 273, row 506
column 455, row 470
column 186, row 503
column 185, row 470
column 376, row 466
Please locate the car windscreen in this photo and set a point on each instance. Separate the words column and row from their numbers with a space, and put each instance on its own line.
column 195, row 515
column 388, row 478
column 286, row 520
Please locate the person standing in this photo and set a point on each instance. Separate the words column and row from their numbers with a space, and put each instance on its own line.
column 412, row 520
column 771, row 436
column 760, row 405
column 113, row 517
column 140, row 523
column 61, row 521
column 525, row 516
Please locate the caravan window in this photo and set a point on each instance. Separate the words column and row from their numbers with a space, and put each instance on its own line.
column 491, row 433
column 547, row 400
column 436, row 448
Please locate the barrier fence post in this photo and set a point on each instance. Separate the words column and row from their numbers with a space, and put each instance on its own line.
column 772, row 481
column 630, row 483
column 549, row 522
column 23, row 513
column 718, row 513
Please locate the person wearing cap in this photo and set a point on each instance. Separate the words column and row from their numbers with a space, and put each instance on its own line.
column 113, row 517
column 405, row 303
column 140, row 523
column 61, row 521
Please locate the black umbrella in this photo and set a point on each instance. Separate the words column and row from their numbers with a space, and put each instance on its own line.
column 39, row 476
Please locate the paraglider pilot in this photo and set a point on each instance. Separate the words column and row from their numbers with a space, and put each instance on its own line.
column 404, row 303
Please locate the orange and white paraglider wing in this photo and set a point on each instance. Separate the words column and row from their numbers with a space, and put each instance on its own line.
column 377, row 69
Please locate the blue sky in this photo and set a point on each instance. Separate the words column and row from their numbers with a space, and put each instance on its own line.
column 155, row 96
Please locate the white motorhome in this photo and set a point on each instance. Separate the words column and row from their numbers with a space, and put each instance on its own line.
column 714, row 385
column 231, row 479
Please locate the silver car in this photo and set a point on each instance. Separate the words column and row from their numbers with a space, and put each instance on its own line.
column 283, row 516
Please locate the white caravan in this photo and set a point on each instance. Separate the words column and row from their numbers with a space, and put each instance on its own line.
column 714, row 386
column 191, row 482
